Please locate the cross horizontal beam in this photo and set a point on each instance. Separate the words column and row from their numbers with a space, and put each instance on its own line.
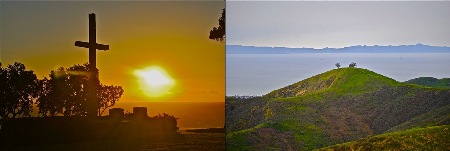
column 89, row 45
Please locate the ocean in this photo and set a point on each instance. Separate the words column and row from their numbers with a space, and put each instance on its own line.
column 258, row 74
column 191, row 115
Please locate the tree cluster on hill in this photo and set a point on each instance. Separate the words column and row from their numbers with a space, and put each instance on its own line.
column 218, row 33
column 338, row 65
column 18, row 88
column 63, row 93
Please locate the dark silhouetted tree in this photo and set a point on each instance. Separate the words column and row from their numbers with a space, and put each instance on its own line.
column 18, row 89
column 108, row 95
column 352, row 65
column 338, row 65
column 63, row 93
column 218, row 33
column 66, row 92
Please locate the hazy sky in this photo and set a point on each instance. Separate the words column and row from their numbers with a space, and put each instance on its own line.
column 171, row 35
column 337, row 24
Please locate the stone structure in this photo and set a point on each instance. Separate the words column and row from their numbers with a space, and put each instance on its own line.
column 116, row 113
column 140, row 112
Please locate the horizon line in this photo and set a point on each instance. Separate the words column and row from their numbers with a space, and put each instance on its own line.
column 365, row 45
column 176, row 101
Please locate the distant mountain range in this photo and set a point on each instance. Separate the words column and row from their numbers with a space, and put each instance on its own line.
column 418, row 48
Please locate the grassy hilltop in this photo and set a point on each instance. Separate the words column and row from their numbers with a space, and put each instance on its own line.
column 334, row 107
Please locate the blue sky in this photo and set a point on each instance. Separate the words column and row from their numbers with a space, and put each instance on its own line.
column 337, row 24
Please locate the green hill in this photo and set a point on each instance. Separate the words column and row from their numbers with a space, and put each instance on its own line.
column 431, row 82
column 344, row 81
column 334, row 107
column 430, row 138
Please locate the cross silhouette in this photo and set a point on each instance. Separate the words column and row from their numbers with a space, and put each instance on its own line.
column 92, row 44
column 92, row 102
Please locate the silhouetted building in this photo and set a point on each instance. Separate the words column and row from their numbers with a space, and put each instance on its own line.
column 140, row 112
column 116, row 113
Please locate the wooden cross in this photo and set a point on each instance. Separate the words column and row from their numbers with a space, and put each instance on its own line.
column 92, row 45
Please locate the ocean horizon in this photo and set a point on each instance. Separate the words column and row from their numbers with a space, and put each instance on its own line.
column 191, row 115
column 259, row 74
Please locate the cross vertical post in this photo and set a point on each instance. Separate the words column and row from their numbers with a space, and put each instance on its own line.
column 92, row 40
column 92, row 101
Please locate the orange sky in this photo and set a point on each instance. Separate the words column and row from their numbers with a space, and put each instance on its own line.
column 171, row 35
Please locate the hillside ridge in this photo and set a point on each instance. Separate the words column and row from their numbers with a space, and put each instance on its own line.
column 418, row 48
column 342, row 80
column 431, row 82
column 436, row 138
column 333, row 107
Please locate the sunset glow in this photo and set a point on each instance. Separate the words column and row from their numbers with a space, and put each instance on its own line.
column 140, row 35
column 154, row 81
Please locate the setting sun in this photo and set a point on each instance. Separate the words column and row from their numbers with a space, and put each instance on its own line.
column 154, row 81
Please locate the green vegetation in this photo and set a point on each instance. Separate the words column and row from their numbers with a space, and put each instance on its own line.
column 268, row 113
column 308, row 135
column 238, row 141
column 431, row 82
column 429, row 138
column 356, row 81
column 334, row 107
column 343, row 81
column 439, row 116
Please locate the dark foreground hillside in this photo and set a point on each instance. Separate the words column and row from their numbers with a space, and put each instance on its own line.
column 185, row 141
column 334, row 107
column 429, row 138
